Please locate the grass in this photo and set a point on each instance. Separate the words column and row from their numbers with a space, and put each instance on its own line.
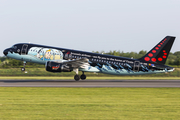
column 90, row 103
column 43, row 72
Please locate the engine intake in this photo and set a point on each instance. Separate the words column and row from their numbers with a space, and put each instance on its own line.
column 57, row 67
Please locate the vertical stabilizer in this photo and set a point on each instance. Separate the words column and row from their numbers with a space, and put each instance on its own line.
column 160, row 52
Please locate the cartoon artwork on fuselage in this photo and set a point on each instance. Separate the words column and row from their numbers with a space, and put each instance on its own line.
column 45, row 54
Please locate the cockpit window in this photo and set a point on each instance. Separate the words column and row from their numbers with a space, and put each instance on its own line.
column 14, row 47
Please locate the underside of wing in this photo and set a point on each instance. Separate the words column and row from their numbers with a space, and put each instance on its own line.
column 78, row 63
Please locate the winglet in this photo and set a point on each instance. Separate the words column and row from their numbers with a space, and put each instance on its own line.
column 160, row 52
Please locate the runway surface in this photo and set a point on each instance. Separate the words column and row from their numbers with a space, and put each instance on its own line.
column 90, row 83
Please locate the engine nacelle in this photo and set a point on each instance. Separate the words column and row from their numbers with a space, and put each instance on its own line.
column 57, row 67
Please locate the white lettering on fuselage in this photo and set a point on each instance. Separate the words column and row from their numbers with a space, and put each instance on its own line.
column 103, row 59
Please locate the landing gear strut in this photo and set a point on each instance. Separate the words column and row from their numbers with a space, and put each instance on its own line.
column 23, row 68
column 77, row 77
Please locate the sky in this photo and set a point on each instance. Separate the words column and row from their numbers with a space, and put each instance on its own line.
column 90, row 25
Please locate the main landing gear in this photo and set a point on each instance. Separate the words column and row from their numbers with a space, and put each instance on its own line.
column 77, row 77
column 23, row 68
column 82, row 77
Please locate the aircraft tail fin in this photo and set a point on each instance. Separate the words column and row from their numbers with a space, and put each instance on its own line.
column 160, row 52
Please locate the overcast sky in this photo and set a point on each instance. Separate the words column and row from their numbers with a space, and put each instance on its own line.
column 90, row 25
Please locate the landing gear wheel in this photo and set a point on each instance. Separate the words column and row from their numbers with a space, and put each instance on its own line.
column 83, row 77
column 76, row 77
column 22, row 69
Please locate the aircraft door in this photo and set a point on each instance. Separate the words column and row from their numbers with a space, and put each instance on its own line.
column 24, row 49
column 136, row 66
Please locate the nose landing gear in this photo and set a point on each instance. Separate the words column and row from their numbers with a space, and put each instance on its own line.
column 23, row 68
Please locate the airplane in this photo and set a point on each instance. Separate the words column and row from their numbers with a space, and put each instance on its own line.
column 66, row 60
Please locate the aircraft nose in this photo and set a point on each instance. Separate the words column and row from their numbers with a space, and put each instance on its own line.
column 5, row 52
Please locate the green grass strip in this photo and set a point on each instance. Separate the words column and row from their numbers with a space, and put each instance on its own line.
column 89, row 103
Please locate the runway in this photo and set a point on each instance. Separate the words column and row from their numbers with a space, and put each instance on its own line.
column 90, row 83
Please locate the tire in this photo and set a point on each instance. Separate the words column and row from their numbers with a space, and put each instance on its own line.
column 83, row 77
column 22, row 69
column 76, row 77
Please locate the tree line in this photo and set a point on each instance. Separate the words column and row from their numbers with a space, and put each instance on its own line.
column 173, row 58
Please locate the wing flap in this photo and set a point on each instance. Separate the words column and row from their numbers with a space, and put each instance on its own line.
column 78, row 63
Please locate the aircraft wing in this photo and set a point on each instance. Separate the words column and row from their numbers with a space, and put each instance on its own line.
column 78, row 63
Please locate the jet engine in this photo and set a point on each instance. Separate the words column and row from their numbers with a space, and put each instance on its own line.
column 57, row 67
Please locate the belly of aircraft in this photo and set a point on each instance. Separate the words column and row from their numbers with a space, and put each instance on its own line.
column 110, row 70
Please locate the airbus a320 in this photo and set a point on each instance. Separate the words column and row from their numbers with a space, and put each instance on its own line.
column 58, row 59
